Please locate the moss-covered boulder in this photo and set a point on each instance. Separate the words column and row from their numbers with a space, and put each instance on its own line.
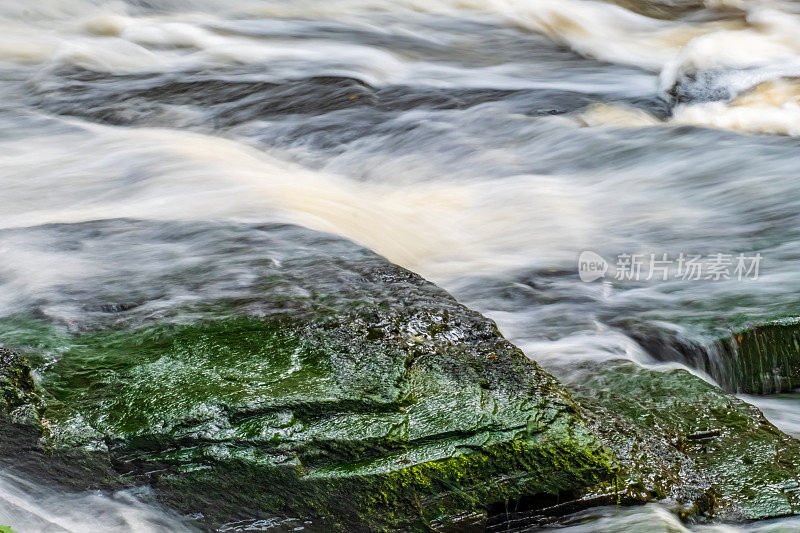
column 757, row 359
column 681, row 438
column 17, row 387
column 762, row 359
column 18, row 397
column 337, row 387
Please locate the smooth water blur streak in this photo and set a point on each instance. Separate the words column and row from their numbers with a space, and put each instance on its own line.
column 33, row 509
column 656, row 519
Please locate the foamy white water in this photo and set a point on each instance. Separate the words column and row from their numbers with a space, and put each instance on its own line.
column 32, row 508
column 653, row 518
column 482, row 143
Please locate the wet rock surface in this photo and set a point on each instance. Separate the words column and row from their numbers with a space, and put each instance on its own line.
column 662, row 9
column 349, row 391
column 758, row 359
column 283, row 374
column 681, row 438
column 764, row 358
column 17, row 388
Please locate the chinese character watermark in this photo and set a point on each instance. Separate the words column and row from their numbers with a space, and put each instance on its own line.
column 663, row 267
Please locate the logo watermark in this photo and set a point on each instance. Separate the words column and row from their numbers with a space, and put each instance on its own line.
column 591, row 266
column 663, row 267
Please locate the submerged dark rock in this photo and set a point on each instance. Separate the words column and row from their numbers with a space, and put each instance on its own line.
column 229, row 98
column 692, row 10
column 321, row 397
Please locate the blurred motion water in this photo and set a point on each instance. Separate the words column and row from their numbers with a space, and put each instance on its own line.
column 34, row 508
column 482, row 143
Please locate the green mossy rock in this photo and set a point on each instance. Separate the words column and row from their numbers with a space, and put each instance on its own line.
column 353, row 394
column 275, row 372
column 681, row 438
column 757, row 359
column 18, row 397
column 763, row 359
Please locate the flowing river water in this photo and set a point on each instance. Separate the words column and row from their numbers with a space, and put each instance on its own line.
column 481, row 143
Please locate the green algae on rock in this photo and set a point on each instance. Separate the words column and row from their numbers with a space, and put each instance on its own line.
column 18, row 397
column 679, row 437
column 335, row 426
column 763, row 358
column 351, row 392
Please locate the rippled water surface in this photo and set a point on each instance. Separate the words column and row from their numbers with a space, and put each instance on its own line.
column 482, row 143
